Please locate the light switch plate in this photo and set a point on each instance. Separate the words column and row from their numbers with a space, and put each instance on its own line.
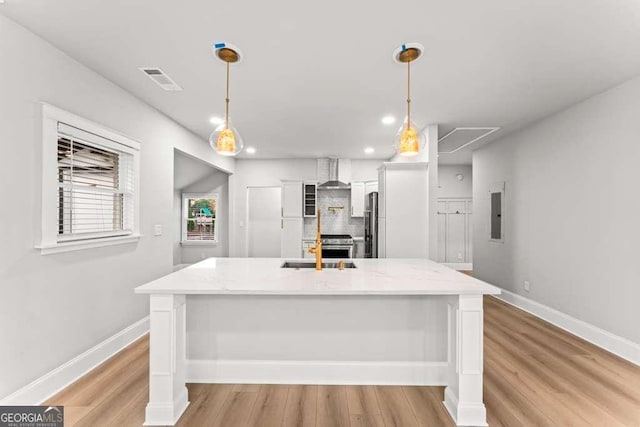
column 157, row 230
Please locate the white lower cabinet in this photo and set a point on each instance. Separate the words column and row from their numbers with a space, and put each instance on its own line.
column 382, row 238
column 306, row 245
column 291, row 237
column 358, row 248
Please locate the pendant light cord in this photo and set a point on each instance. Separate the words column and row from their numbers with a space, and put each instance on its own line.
column 226, row 109
column 408, row 94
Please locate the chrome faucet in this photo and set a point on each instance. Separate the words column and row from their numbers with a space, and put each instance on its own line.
column 318, row 248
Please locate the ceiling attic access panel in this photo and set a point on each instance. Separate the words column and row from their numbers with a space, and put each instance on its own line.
column 463, row 137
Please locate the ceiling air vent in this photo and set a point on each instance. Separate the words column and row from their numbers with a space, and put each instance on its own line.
column 460, row 138
column 161, row 78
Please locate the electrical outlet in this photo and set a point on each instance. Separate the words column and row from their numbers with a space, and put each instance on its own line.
column 460, row 255
column 527, row 286
column 202, row 256
column 157, row 230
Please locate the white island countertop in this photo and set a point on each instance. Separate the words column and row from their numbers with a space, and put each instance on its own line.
column 263, row 276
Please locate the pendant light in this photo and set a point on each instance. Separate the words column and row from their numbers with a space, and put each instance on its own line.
column 225, row 139
column 410, row 139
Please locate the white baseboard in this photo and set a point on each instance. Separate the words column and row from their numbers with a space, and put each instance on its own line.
column 464, row 415
column 316, row 372
column 51, row 383
column 615, row 344
column 459, row 265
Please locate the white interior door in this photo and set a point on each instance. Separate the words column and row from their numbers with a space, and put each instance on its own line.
column 264, row 222
column 442, row 231
column 456, row 243
column 454, row 231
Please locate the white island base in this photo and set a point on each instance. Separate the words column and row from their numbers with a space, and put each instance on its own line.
column 388, row 322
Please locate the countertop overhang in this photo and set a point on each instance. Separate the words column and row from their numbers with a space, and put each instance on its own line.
column 263, row 276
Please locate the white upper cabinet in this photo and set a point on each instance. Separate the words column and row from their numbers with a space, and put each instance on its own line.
column 292, row 199
column 357, row 199
column 370, row 187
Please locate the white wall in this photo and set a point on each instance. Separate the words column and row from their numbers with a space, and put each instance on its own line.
column 571, row 211
column 176, row 228
column 54, row 307
column 191, row 175
column 430, row 152
column 365, row 170
column 259, row 173
column 450, row 186
column 269, row 173
column 217, row 182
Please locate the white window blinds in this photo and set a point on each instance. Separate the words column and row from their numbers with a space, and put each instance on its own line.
column 95, row 186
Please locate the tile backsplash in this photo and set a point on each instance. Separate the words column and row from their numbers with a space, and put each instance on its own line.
column 339, row 222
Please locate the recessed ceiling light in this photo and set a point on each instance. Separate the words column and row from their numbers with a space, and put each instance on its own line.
column 369, row 150
column 250, row 150
column 216, row 120
column 388, row 120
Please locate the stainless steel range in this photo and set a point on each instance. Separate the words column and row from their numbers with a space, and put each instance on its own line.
column 337, row 246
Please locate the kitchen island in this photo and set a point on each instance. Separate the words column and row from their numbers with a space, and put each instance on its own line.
column 387, row 321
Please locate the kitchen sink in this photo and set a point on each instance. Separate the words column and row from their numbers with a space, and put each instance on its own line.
column 312, row 264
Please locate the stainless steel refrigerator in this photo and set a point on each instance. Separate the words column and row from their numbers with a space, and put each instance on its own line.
column 371, row 226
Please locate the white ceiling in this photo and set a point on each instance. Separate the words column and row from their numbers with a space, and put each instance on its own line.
column 317, row 77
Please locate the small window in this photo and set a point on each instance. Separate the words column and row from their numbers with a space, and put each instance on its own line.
column 89, row 184
column 199, row 218
column 497, row 220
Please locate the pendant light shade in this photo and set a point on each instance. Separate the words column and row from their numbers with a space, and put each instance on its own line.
column 409, row 139
column 225, row 139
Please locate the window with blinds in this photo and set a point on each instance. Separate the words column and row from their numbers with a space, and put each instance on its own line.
column 95, row 186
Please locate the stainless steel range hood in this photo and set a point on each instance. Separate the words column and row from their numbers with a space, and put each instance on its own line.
column 333, row 183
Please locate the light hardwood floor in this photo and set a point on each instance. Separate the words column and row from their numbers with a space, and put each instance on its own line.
column 535, row 375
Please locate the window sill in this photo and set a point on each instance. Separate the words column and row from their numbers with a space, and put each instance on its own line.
column 56, row 248
column 199, row 243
